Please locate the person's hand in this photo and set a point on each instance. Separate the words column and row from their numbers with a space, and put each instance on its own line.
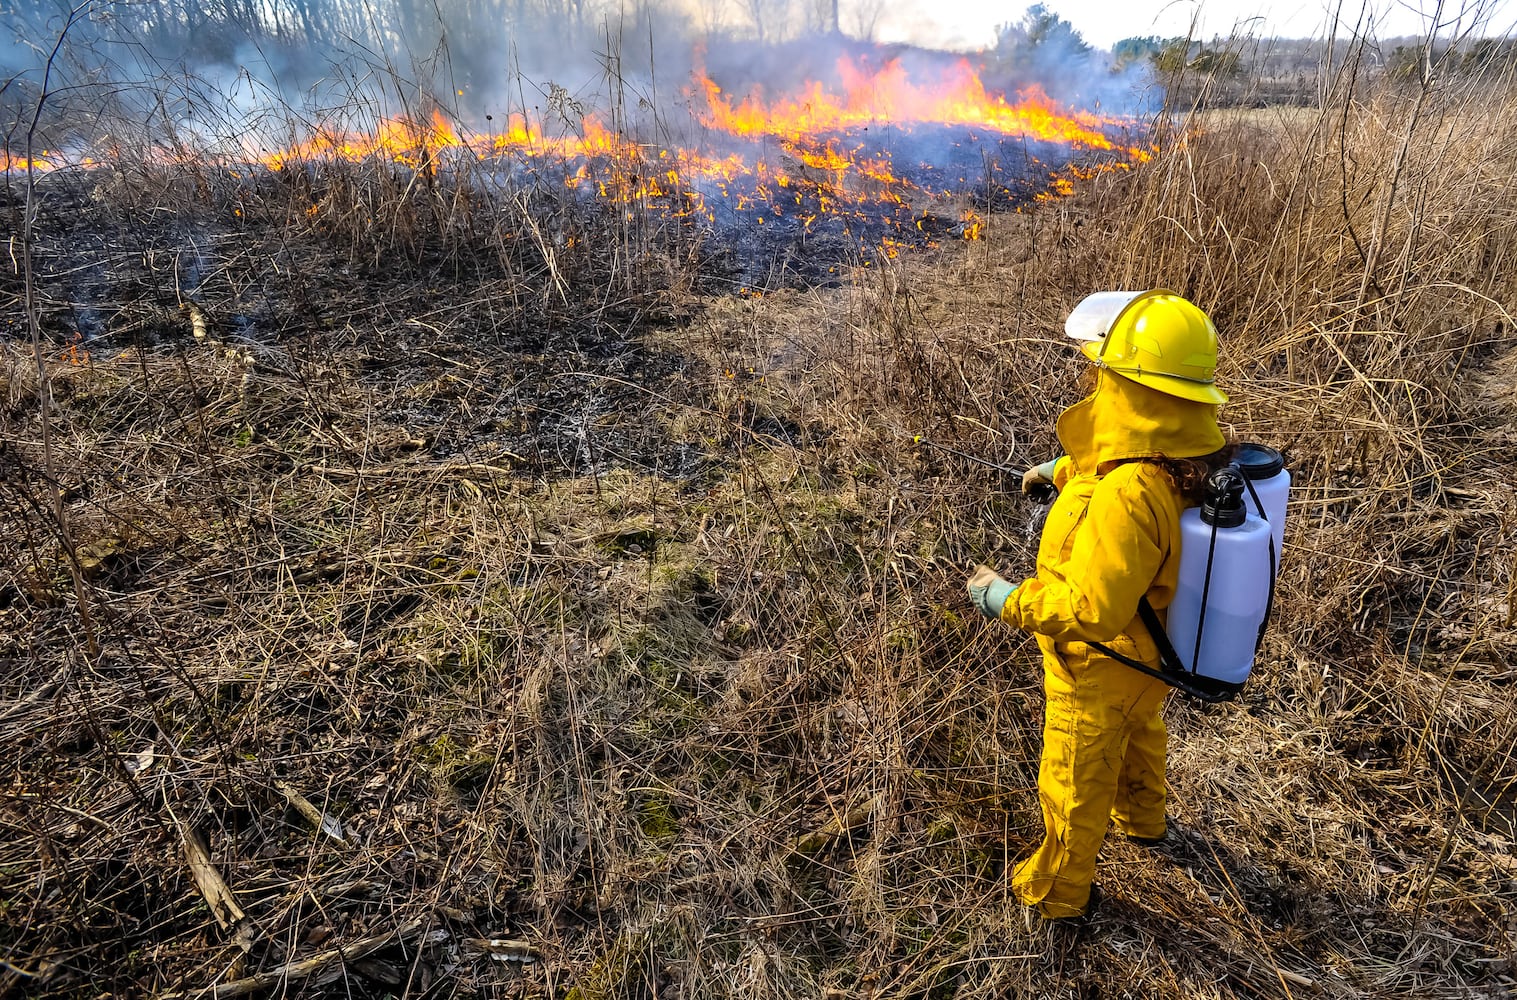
column 988, row 591
column 1037, row 482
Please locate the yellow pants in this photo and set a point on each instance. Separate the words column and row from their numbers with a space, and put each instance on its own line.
column 1103, row 761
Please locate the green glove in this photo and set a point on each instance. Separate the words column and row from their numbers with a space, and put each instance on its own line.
column 989, row 592
column 1038, row 476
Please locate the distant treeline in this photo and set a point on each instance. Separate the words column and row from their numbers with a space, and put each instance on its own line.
column 480, row 57
column 235, row 32
column 215, row 29
column 1249, row 70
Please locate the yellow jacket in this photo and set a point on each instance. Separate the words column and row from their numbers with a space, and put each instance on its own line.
column 1111, row 539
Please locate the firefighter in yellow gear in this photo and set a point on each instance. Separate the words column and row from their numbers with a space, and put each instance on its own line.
column 1111, row 537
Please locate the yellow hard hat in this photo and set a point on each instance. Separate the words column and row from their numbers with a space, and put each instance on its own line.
column 1155, row 338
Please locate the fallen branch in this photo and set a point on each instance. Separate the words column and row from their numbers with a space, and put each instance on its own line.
column 218, row 895
column 321, row 820
column 504, row 949
column 836, row 827
column 314, row 971
column 209, row 881
column 1292, row 977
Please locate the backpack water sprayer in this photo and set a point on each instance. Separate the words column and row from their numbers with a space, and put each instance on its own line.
column 1229, row 558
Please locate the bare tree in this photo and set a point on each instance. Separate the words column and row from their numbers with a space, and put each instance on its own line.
column 768, row 17
column 863, row 17
column 711, row 15
column 817, row 15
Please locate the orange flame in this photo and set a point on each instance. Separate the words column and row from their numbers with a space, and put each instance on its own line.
column 888, row 96
column 20, row 164
column 828, row 166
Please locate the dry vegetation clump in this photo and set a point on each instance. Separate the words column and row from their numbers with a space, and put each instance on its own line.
column 555, row 651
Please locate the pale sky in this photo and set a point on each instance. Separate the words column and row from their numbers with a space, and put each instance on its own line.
column 971, row 23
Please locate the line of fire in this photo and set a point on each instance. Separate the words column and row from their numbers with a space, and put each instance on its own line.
column 878, row 158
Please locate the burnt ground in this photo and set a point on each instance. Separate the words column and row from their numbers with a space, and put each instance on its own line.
column 542, row 325
column 533, row 361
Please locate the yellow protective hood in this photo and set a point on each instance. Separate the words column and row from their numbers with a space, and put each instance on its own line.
column 1123, row 419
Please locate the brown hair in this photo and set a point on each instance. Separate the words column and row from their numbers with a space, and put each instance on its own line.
column 1188, row 474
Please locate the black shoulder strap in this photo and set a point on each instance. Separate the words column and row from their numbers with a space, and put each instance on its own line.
column 1274, row 563
column 1172, row 671
column 1167, row 655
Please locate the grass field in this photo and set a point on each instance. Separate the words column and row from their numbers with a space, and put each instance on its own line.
column 425, row 612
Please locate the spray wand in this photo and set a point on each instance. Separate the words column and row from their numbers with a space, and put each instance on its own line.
column 1041, row 494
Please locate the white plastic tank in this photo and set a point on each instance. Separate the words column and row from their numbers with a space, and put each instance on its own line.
column 1225, row 609
column 1271, row 482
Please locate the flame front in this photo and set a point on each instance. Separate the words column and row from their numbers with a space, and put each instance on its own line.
column 888, row 96
column 46, row 160
column 814, row 153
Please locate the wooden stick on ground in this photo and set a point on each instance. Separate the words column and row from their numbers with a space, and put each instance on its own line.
column 321, row 820
column 837, row 826
column 316, row 970
column 209, row 881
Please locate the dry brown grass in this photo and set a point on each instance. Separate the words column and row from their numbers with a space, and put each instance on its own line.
column 657, row 659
